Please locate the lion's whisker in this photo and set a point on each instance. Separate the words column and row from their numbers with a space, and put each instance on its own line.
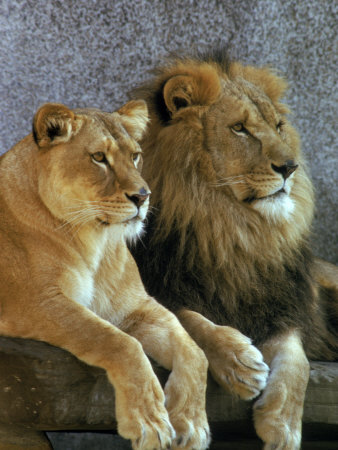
column 227, row 183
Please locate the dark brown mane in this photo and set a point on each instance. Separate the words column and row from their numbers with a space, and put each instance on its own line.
column 203, row 249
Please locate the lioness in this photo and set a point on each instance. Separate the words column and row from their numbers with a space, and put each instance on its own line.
column 226, row 246
column 70, row 196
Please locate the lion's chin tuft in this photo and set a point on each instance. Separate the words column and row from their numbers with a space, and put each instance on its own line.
column 276, row 208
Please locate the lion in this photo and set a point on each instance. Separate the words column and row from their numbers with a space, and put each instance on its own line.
column 71, row 195
column 226, row 246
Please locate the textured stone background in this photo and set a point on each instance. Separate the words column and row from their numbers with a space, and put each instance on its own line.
column 92, row 52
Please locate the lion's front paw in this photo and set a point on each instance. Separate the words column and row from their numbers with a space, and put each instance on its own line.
column 235, row 363
column 142, row 417
column 278, row 418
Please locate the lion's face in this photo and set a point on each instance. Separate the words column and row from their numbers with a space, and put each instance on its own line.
column 220, row 138
column 254, row 150
column 89, row 166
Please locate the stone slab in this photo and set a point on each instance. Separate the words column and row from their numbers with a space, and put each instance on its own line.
column 19, row 438
column 47, row 388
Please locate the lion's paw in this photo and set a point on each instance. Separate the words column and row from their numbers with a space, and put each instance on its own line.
column 236, row 364
column 278, row 418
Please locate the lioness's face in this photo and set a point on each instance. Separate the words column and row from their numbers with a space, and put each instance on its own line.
column 254, row 150
column 94, row 177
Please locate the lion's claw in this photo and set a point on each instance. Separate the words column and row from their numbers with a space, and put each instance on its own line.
column 236, row 364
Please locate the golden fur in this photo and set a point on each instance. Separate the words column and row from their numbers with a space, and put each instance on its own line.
column 70, row 196
column 226, row 246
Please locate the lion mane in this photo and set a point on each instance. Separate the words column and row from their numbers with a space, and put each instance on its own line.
column 224, row 237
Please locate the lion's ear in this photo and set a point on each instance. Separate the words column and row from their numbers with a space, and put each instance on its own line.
column 178, row 92
column 266, row 78
column 53, row 123
column 201, row 86
column 134, row 116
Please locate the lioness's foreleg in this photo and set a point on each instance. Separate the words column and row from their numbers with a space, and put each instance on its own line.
column 278, row 412
column 234, row 362
column 139, row 398
column 164, row 339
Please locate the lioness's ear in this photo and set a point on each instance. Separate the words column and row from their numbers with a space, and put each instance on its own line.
column 134, row 115
column 199, row 87
column 53, row 123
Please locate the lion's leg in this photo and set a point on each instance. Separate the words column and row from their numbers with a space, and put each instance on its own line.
column 165, row 340
column 278, row 412
column 234, row 362
column 139, row 399
column 326, row 274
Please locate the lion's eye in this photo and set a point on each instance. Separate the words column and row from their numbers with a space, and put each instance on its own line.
column 239, row 128
column 99, row 157
column 136, row 158
column 279, row 126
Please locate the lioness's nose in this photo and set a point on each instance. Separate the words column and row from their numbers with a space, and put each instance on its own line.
column 285, row 169
column 139, row 197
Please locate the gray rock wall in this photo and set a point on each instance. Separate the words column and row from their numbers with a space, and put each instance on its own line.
column 92, row 52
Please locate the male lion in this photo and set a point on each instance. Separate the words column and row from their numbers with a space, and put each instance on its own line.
column 70, row 196
column 226, row 245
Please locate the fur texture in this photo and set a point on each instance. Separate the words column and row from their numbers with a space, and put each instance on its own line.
column 231, row 211
column 71, row 195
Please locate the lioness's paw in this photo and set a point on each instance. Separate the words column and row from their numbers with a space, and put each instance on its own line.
column 142, row 416
column 155, row 437
column 236, row 364
column 191, row 435
column 185, row 401
column 278, row 418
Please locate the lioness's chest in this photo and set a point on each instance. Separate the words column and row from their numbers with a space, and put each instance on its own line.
column 78, row 284
column 99, row 285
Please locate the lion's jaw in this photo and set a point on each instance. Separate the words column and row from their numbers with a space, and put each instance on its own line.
column 277, row 205
column 276, row 208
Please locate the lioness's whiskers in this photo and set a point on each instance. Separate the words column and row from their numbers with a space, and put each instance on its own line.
column 81, row 216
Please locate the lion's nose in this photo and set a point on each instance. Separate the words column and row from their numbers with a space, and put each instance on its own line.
column 139, row 197
column 285, row 169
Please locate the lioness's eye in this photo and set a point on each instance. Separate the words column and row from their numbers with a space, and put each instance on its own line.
column 136, row 158
column 239, row 128
column 99, row 157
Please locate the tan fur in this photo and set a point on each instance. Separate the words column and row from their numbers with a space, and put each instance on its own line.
column 230, row 246
column 234, row 363
column 278, row 412
column 326, row 274
column 68, row 202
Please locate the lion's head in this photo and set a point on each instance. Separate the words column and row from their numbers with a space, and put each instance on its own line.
column 88, row 165
column 224, row 161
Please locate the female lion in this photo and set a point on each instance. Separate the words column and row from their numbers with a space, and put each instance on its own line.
column 70, row 196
